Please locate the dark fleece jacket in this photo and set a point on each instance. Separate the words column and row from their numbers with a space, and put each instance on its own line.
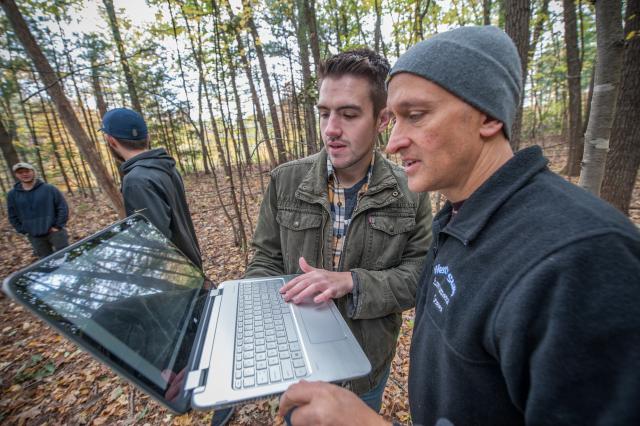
column 527, row 311
column 153, row 186
column 34, row 212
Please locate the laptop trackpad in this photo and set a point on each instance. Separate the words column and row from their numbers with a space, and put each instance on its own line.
column 320, row 323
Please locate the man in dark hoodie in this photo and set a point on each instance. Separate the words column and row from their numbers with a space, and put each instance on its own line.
column 150, row 184
column 38, row 210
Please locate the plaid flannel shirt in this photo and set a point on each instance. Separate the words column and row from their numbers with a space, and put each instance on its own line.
column 338, row 206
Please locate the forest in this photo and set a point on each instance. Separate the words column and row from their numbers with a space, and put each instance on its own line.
column 229, row 88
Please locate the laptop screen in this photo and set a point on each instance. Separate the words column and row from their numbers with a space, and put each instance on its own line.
column 130, row 297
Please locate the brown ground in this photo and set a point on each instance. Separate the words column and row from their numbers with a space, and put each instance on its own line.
column 44, row 379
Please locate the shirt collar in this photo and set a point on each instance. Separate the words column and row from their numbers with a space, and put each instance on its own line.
column 332, row 178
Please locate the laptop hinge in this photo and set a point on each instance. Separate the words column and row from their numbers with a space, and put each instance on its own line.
column 195, row 379
column 215, row 292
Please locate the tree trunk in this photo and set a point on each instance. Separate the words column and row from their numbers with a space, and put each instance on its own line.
column 605, row 90
column 486, row 12
column 97, row 88
column 377, row 32
column 62, row 103
column 517, row 16
column 574, row 68
column 307, row 94
column 131, row 86
column 314, row 39
column 6, row 145
column 28, row 117
column 54, row 146
column 624, row 155
column 273, row 111
column 239, row 114
column 246, row 65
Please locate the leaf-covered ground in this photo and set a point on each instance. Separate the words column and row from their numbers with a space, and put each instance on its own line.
column 44, row 379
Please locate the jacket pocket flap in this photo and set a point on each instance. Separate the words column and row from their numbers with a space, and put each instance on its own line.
column 392, row 225
column 298, row 220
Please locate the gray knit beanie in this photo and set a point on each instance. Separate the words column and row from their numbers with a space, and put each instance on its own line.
column 480, row 65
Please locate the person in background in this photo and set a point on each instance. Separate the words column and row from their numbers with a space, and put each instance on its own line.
column 38, row 210
column 150, row 184
column 527, row 309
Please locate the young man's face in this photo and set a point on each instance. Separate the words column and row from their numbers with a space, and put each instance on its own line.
column 435, row 133
column 25, row 175
column 349, row 128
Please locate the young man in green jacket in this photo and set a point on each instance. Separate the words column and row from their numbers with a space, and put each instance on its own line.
column 346, row 220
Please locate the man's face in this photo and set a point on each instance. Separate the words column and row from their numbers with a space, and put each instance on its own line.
column 435, row 133
column 25, row 175
column 348, row 127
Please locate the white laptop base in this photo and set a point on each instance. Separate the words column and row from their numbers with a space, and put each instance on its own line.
column 324, row 348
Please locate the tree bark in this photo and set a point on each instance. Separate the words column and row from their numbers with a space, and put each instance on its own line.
column 63, row 106
column 517, row 17
column 6, row 145
column 624, row 155
column 54, row 146
column 377, row 32
column 273, row 111
column 308, row 99
column 605, row 90
column 574, row 68
column 486, row 12
column 97, row 87
column 131, row 86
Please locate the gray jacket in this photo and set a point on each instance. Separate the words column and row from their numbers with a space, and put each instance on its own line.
column 385, row 246
column 152, row 184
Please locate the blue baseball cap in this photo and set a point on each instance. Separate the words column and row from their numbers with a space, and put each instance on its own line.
column 124, row 123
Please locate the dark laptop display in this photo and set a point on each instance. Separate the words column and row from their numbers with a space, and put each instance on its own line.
column 130, row 298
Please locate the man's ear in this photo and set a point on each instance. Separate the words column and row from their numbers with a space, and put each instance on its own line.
column 113, row 143
column 384, row 116
column 490, row 127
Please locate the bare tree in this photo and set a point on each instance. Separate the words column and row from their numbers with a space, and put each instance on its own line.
column 624, row 155
column 517, row 17
column 574, row 68
column 6, row 145
column 605, row 89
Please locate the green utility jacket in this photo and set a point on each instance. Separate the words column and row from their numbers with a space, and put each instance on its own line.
column 386, row 244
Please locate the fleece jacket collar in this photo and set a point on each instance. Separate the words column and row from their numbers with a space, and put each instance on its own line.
column 493, row 193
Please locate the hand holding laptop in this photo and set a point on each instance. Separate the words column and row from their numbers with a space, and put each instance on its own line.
column 316, row 284
column 320, row 403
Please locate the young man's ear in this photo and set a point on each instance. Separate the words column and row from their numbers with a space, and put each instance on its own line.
column 384, row 116
column 490, row 127
column 113, row 143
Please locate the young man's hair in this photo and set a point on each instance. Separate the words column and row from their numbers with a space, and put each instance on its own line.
column 363, row 63
column 133, row 144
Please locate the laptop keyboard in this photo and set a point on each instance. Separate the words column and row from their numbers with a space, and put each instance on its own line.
column 267, row 347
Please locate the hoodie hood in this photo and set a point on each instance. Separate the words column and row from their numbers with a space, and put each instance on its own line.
column 18, row 186
column 152, row 159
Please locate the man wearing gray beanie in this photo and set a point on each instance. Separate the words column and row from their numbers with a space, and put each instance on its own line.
column 526, row 312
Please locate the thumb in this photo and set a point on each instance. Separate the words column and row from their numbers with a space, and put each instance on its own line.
column 305, row 266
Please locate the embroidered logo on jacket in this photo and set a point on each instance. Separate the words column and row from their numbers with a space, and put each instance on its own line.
column 445, row 286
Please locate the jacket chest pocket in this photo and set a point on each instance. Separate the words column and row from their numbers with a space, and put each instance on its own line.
column 300, row 235
column 387, row 237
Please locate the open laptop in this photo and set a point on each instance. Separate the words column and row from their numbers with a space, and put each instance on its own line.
column 130, row 298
